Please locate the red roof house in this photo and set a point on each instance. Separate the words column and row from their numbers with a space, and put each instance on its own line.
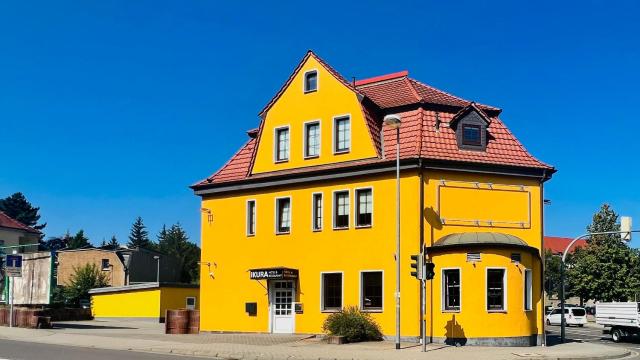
column 11, row 223
column 557, row 245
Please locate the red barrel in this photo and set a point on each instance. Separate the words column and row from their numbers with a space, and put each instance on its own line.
column 194, row 322
column 177, row 321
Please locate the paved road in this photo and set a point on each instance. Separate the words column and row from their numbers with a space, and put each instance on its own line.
column 591, row 333
column 18, row 350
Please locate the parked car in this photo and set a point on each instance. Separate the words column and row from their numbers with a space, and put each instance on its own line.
column 85, row 303
column 573, row 316
column 622, row 319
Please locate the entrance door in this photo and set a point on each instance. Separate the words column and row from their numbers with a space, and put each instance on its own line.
column 282, row 314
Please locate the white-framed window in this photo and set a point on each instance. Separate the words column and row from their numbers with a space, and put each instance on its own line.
column 331, row 291
column 528, row 290
column 310, row 81
column 251, row 217
column 282, row 144
column 190, row 303
column 283, row 215
column 451, row 290
column 371, row 290
column 496, row 282
column 316, row 213
column 312, row 139
column 342, row 134
column 341, row 209
column 364, row 207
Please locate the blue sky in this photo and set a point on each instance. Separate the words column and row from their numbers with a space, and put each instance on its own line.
column 110, row 109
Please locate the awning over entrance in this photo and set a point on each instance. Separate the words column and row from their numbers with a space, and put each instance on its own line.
column 470, row 239
column 275, row 273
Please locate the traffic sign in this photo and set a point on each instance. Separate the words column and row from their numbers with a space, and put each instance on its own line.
column 13, row 266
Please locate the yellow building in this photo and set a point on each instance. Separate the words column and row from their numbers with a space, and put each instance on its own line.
column 301, row 221
column 143, row 301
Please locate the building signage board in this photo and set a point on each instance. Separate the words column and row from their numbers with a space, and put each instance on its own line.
column 273, row 274
column 13, row 266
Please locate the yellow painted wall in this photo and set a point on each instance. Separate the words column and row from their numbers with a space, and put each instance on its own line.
column 175, row 298
column 232, row 253
column 143, row 303
column 294, row 108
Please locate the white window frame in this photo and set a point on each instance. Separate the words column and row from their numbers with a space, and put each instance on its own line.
column 361, row 292
column 333, row 209
column 186, row 302
column 355, row 207
column 277, row 142
column 505, row 292
column 304, row 81
column 443, row 290
column 527, row 290
column 334, row 139
column 255, row 217
column 304, row 138
column 277, row 215
column 313, row 211
column 322, row 309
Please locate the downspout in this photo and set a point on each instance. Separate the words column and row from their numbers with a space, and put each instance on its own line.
column 423, row 292
column 542, row 265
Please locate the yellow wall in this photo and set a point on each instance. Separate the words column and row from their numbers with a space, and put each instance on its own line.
column 142, row 303
column 294, row 108
column 136, row 304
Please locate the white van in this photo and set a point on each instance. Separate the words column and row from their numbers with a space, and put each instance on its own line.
column 573, row 316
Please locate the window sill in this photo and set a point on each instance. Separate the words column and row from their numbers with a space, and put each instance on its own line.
column 283, row 233
column 378, row 311
column 251, row 235
column 363, row 226
column 317, row 230
column 281, row 161
column 341, row 228
column 497, row 311
column 310, row 91
column 451, row 311
column 330, row 311
column 311, row 157
column 340, row 152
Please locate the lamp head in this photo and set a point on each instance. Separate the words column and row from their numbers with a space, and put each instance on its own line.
column 393, row 121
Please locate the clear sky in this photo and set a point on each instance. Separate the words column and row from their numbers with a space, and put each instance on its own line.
column 110, row 109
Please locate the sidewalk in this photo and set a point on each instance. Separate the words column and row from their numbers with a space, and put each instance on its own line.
column 148, row 337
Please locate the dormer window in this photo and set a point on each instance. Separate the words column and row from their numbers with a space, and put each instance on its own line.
column 470, row 125
column 310, row 81
column 471, row 135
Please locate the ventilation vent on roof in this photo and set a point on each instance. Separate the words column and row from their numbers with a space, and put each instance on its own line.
column 473, row 257
column 516, row 258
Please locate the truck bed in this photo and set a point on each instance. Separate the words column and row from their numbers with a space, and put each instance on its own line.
column 618, row 314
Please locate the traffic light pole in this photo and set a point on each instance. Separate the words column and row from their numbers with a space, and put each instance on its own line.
column 423, row 310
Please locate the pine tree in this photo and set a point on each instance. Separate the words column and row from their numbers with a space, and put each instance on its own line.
column 78, row 241
column 175, row 242
column 103, row 244
column 139, row 236
column 606, row 269
column 18, row 207
column 113, row 243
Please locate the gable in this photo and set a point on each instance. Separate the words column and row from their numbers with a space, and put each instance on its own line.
column 293, row 108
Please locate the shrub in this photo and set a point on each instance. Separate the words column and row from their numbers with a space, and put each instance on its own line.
column 353, row 324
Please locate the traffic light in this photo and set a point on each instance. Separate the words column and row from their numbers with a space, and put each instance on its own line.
column 429, row 272
column 417, row 266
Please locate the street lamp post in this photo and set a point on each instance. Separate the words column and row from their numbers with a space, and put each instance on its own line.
column 627, row 223
column 394, row 122
column 158, row 271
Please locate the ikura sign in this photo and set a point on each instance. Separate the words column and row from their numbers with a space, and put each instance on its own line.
column 273, row 274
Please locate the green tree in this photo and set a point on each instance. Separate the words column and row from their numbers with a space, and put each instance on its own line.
column 83, row 279
column 113, row 243
column 139, row 236
column 79, row 240
column 18, row 207
column 606, row 269
column 175, row 242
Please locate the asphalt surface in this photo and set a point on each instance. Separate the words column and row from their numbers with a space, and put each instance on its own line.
column 590, row 333
column 18, row 350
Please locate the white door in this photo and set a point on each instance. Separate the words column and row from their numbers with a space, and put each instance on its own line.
column 282, row 314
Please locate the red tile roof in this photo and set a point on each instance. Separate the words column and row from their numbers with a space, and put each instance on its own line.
column 557, row 245
column 11, row 223
column 425, row 131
